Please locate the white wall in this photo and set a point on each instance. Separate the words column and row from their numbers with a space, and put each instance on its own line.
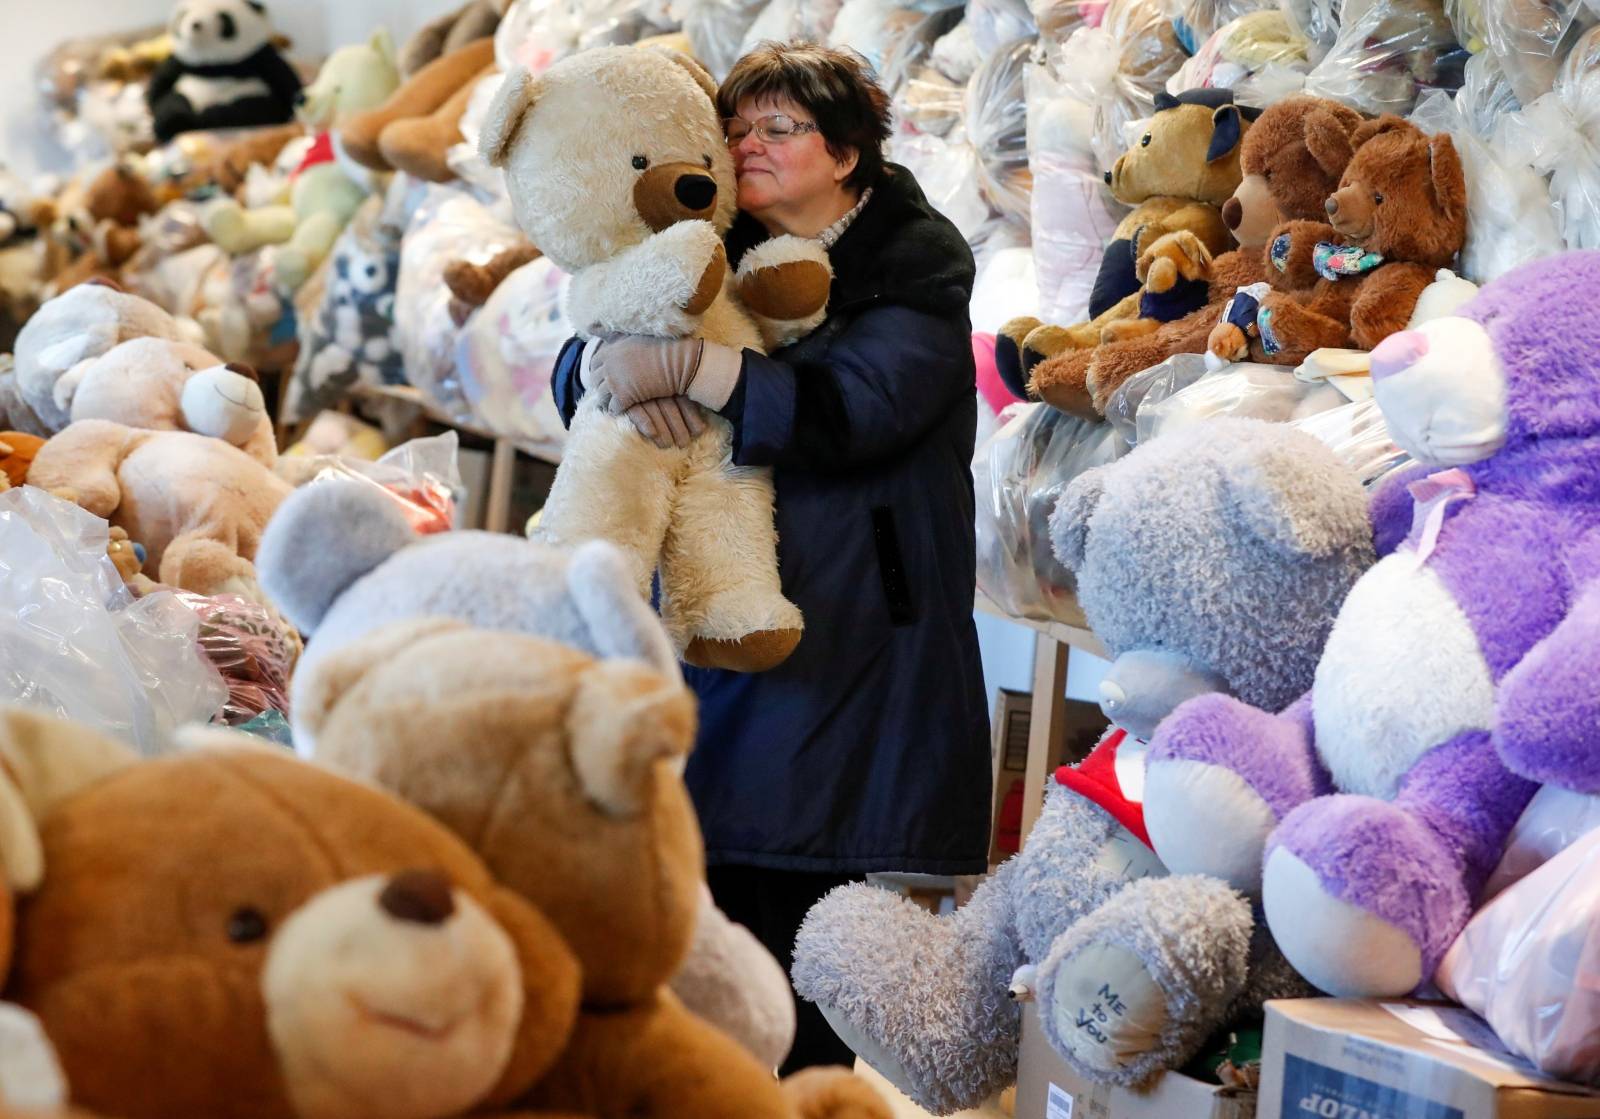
column 25, row 135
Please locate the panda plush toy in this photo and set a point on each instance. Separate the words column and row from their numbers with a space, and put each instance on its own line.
column 224, row 71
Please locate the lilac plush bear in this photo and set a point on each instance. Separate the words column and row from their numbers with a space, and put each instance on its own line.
column 1462, row 669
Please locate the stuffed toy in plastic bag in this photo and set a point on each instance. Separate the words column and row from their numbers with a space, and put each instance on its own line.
column 1386, row 53
column 75, row 642
column 351, row 338
column 1559, row 134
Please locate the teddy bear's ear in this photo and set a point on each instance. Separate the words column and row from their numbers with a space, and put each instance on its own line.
column 1388, row 122
column 512, row 102
column 1227, row 128
column 1449, row 179
column 43, row 760
column 319, row 686
column 383, row 43
column 1069, row 524
column 621, row 623
column 1329, row 141
column 624, row 719
column 699, row 73
column 1288, row 491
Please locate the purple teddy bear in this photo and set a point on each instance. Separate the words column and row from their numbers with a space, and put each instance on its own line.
column 1463, row 668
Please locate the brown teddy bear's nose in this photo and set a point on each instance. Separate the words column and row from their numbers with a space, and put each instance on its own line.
column 1232, row 213
column 1332, row 206
column 697, row 192
column 246, row 371
column 419, row 896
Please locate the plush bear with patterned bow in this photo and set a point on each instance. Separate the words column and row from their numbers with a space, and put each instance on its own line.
column 1399, row 215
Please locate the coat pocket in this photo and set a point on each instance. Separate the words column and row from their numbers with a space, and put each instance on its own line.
column 892, row 567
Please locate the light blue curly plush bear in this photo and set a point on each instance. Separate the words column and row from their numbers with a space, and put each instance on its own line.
column 1211, row 559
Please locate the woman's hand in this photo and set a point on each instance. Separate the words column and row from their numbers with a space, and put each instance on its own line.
column 668, row 421
column 635, row 370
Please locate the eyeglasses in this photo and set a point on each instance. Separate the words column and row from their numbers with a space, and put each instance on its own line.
column 773, row 129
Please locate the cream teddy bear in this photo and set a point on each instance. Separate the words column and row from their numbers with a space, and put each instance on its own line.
column 618, row 170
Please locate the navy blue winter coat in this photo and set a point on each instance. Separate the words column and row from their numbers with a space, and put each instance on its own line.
column 867, row 750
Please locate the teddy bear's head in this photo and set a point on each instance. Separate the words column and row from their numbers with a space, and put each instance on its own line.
column 1515, row 365
column 174, row 386
column 1403, row 194
column 1189, row 150
column 1213, row 559
column 608, row 146
column 217, row 32
column 354, row 78
column 227, row 931
column 563, row 772
column 120, row 194
column 1291, row 160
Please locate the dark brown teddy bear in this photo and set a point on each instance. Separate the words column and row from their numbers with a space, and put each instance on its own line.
column 1292, row 159
column 1399, row 215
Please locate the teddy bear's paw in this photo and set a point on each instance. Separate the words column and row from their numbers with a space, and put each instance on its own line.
column 1137, row 986
column 786, row 279
column 754, row 652
column 1228, row 343
column 1125, row 329
column 1362, row 897
column 834, row 1093
column 1171, row 257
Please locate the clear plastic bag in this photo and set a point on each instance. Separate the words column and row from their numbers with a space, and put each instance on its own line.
column 1509, row 218
column 1529, row 964
column 994, row 23
column 785, row 21
column 507, row 352
column 1559, row 135
column 450, row 224
column 1530, row 38
column 535, row 33
column 74, row 640
column 1357, row 434
column 1018, row 476
column 926, row 99
column 422, row 475
column 869, row 27
column 252, row 648
column 351, row 337
column 1317, row 21
column 997, row 126
column 1485, row 96
column 1237, row 51
column 1129, row 57
column 1195, row 21
column 1554, row 820
column 1387, row 54
column 956, row 54
column 1260, row 392
column 716, row 29
column 1006, row 288
column 946, row 168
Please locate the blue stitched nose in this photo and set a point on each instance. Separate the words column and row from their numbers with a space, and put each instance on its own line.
column 697, row 192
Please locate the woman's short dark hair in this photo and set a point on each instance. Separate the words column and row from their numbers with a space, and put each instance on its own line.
column 836, row 87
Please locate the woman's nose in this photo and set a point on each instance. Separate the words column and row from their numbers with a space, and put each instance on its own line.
column 751, row 144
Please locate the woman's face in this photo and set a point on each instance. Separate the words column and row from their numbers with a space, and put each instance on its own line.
column 788, row 175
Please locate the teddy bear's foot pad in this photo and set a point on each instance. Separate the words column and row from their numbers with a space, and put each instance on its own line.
column 794, row 290
column 754, row 652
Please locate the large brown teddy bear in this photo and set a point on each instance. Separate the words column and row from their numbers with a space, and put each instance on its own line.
column 197, row 504
column 1291, row 160
column 229, row 932
column 1177, row 178
column 1399, row 215
column 563, row 772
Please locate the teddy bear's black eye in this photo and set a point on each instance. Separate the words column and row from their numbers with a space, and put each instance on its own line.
column 246, row 925
column 640, row 163
column 1377, row 197
column 1145, row 143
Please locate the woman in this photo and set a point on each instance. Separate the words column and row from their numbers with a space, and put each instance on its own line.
column 868, row 749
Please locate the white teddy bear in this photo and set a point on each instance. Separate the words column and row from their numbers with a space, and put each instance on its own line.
column 618, row 170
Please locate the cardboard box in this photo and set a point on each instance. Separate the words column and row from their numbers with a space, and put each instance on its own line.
column 1347, row 1059
column 1047, row 1088
column 1082, row 725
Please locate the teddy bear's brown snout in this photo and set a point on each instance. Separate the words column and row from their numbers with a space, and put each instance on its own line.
column 1350, row 210
column 673, row 192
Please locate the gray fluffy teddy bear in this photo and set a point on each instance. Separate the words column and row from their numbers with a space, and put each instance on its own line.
column 1211, row 559
column 339, row 559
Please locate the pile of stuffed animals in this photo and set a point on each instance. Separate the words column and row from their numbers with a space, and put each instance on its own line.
column 1330, row 722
